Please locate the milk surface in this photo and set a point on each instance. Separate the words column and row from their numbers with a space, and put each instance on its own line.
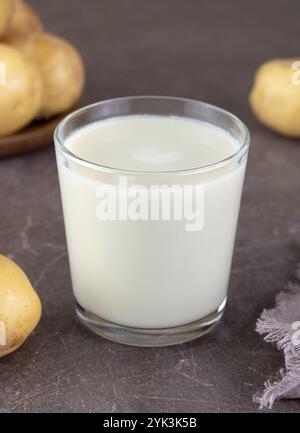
column 150, row 274
column 152, row 143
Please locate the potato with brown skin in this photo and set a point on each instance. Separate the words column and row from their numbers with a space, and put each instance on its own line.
column 24, row 19
column 275, row 96
column 21, row 90
column 61, row 67
column 6, row 9
column 20, row 307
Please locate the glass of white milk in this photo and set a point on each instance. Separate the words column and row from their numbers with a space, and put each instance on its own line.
column 151, row 190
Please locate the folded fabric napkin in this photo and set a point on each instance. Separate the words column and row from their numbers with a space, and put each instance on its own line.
column 281, row 325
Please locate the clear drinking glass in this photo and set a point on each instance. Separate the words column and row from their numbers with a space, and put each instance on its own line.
column 150, row 282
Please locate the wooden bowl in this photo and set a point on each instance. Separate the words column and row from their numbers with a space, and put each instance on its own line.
column 34, row 136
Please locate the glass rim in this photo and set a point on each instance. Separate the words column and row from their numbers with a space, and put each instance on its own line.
column 59, row 142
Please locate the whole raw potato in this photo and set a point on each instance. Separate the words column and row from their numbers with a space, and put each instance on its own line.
column 21, row 90
column 20, row 307
column 61, row 66
column 24, row 19
column 6, row 8
column 275, row 97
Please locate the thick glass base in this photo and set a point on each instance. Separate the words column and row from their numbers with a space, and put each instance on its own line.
column 149, row 337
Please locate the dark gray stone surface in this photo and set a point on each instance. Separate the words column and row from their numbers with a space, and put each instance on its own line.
column 202, row 49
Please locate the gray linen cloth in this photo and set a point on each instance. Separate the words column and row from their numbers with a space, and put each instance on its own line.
column 281, row 325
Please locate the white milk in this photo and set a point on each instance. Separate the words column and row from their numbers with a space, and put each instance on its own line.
column 151, row 274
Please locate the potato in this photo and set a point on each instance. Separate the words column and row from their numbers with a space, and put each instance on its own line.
column 61, row 66
column 275, row 97
column 20, row 307
column 24, row 19
column 6, row 8
column 21, row 90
